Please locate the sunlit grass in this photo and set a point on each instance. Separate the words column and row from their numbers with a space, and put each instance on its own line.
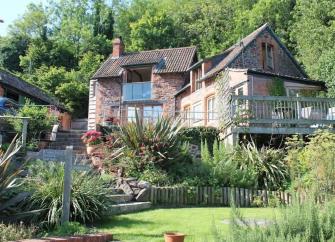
column 197, row 223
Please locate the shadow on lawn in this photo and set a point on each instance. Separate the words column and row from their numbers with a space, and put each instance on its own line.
column 121, row 222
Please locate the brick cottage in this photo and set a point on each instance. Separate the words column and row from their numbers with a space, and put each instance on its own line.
column 174, row 82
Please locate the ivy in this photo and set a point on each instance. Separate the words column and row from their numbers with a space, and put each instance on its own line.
column 277, row 87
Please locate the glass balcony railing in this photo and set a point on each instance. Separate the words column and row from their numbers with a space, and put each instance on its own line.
column 136, row 91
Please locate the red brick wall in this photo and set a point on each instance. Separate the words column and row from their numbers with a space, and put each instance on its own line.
column 2, row 91
column 165, row 87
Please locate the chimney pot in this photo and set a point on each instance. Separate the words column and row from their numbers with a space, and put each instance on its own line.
column 118, row 47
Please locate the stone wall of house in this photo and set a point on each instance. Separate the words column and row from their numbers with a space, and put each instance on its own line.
column 252, row 57
column 108, row 96
column 165, row 87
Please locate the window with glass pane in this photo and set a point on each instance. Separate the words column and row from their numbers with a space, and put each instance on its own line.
column 267, row 50
column 198, row 85
column 132, row 113
column 157, row 112
column 186, row 115
column 152, row 113
column 197, row 112
column 198, row 75
column 211, row 109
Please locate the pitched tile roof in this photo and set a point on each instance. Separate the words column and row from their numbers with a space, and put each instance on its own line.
column 164, row 60
column 17, row 83
column 233, row 51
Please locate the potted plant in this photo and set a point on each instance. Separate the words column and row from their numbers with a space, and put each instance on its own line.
column 174, row 237
column 92, row 139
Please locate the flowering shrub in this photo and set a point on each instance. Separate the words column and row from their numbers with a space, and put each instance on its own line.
column 92, row 137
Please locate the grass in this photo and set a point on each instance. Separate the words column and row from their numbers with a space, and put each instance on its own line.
column 197, row 223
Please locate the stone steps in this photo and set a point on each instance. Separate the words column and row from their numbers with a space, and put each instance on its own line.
column 124, row 208
column 69, row 138
column 121, row 198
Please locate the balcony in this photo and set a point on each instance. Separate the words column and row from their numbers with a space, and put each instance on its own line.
column 281, row 115
column 136, row 91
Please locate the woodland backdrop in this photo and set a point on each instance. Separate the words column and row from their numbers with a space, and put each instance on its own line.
column 58, row 46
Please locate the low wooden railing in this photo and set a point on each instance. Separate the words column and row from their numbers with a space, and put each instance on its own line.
column 298, row 111
column 219, row 196
column 224, row 196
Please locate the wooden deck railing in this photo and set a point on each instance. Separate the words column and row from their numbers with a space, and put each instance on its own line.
column 282, row 111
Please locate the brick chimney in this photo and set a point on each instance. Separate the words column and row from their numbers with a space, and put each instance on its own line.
column 118, row 47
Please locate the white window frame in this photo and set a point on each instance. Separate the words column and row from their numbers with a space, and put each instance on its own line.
column 197, row 114
column 211, row 108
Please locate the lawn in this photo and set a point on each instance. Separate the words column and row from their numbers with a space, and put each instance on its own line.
column 197, row 223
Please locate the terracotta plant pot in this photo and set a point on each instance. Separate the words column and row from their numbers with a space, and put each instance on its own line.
column 174, row 237
column 91, row 148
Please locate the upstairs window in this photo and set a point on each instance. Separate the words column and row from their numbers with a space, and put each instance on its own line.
column 210, row 108
column 186, row 115
column 197, row 76
column 197, row 112
column 267, row 51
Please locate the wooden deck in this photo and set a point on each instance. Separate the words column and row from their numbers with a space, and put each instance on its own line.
column 279, row 115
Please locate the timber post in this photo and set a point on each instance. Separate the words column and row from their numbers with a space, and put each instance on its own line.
column 67, row 185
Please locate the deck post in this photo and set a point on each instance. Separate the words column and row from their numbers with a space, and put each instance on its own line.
column 24, row 131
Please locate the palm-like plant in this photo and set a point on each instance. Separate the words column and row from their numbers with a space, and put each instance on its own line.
column 153, row 142
column 266, row 162
column 10, row 197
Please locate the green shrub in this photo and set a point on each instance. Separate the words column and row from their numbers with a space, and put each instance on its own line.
column 89, row 196
column 312, row 166
column 13, row 232
column 41, row 120
column 257, row 201
column 196, row 135
column 69, row 228
column 300, row 222
column 155, row 176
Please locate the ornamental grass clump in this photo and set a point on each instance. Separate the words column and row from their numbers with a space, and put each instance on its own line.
column 14, row 232
column 11, row 184
column 89, row 195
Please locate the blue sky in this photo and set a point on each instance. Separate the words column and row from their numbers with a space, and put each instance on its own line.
column 11, row 10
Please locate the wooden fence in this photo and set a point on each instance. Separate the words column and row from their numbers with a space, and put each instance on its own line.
column 179, row 196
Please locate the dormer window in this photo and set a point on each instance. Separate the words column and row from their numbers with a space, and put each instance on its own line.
column 137, row 83
column 197, row 76
column 267, row 51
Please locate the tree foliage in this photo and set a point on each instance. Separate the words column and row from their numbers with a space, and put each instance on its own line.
column 58, row 36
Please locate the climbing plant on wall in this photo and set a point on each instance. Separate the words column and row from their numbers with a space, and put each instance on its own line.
column 277, row 87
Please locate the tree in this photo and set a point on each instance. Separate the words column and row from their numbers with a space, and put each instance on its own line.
column 103, row 20
column 313, row 31
column 152, row 32
column 11, row 48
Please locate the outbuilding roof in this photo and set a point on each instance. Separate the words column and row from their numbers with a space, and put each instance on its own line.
column 10, row 80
